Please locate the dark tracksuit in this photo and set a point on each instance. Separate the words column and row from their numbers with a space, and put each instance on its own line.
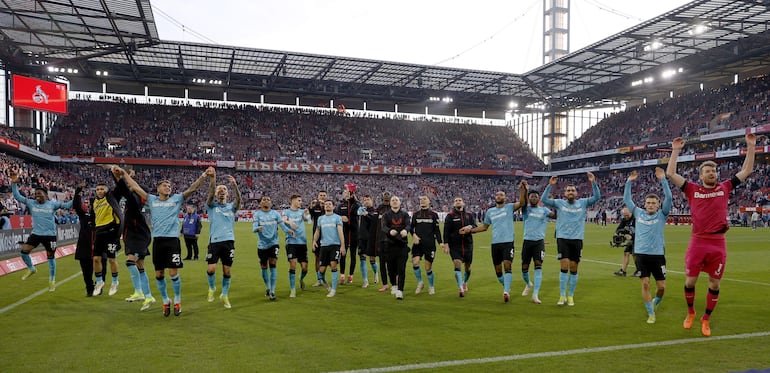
column 349, row 209
column 137, row 234
column 365, row 223
column 396, row 246
column 191, row 226
column 376, row 239
column 84, row 250
column 425, row 225
column 460, row 245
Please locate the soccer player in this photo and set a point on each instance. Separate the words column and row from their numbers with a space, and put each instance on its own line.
column 458, row 242
column 426, row 233
column 395, row 226
column 136, row 237
column 649, row 244
column 377, row 239
column 570, row 231
column 191, row 229
column 367, row 219
column 296, row 246
column 85, row 245
column 107, row 218
column 329, row 241
column 627, row 227
column 221, row 234
column 707, row 251
column 533, row 248
column 347, row 209
column 164, row 211
column 317, row 210
column 500, row 217
column 43, row 233
column 266, row 223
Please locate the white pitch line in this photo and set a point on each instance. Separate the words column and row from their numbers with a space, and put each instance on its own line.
column 580, row 351
column 35, row 295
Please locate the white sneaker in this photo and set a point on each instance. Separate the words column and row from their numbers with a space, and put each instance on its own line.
column 98, row 288
column 342, row 280
column 317, row 283
column 293, row 294
column 399, row 295
column 420, row 286
column 393, row 290
column 536, row 300
column 431, row 290
column 526, row 290
column 113, row 288
column 365, row 284
column 210, row 295
column 331, row 293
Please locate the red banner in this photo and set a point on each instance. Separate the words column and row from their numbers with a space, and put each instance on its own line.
column 9, row 142
column 327, row 168
column 39, row 94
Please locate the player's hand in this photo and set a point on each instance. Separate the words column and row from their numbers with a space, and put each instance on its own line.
column 523, row 185
column 404, row 233
column 210, row 172
column 14, row 176
column 552, row 180
column 315, row 246
column 415, row 239
column 751, row 139
column 343, row 251
column 591, row 176
column 659, row 173
column 633, row 175
column 678, row 143
column 445, row 248
column 291, row 233
column 345, row 219
column 393, row 232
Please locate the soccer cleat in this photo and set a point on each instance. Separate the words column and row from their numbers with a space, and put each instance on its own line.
column 135, row 297
column 167, row 309
column 210, row 295
column 651, row 319
column 431, row 290
column 620, row 273
column 317, row 284
column 461, row 293
column 527, row 289
column 399, row 295
column 98, row 288
column 384, row 288
column 51, row 286
column 27, row 273
column 272, row 296
column 226, row 301
column 570, row 301
column 638, row 273
column 376, row 279
column 302, row 284
column 506, row 297
column 293, row 293
column 688, row 321
column 267, row 293
column 113, row 288
column 536, row 300
column 393, row 290
column 705, row 327
column 328, row 287
column 148, row 302
column 331, row 294
column 562, row 300
column 465, row 287
column 350, row 279
column 420, row 286
column 365, row 284
column 177, row 309
column 341, row 281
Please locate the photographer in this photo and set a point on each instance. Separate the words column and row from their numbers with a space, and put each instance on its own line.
column 624, row 236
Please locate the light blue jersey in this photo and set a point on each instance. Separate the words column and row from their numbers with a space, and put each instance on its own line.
column 535, row 221
column 297, row 217
column 269, row 221
column 328, row 225
column 571, row 217
column 222, row 219
column 501, row 220
column 164, row 215
column 43, row 214
column 649, row 228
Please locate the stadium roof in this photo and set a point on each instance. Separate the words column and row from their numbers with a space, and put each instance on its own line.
column 706, row 39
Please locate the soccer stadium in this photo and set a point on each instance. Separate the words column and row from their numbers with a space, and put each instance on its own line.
column 122, row 151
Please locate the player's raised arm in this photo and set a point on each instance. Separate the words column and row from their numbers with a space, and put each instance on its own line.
column 676, row 147
column 748, row 162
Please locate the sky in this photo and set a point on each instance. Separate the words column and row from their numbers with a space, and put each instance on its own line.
column 491, row 35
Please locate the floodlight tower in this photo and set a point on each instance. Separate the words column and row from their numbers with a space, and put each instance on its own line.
column 556, row 22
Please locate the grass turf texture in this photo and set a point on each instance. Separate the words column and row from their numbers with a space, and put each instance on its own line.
column 363, row 328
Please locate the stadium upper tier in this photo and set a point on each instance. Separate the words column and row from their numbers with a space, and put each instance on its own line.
column 280, row 135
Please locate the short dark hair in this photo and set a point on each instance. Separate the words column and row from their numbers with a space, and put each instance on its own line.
column 531, row 192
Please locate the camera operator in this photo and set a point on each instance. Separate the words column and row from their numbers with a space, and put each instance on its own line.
column 624, row 236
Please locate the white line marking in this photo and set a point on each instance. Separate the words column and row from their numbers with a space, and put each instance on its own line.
column 439, row 364
column 35, row 294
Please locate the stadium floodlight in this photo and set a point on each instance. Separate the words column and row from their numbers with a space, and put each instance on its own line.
column 699, row 29
column 51, row 69
column 649, row 79
column 636, row 83
column 668, row 73
column 653, row 46
column 447, row 99
column 513, row 105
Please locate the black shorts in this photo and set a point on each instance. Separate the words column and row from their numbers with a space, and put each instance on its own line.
column 629, row 248
column 296, row 251
column 569, row 249
column 363, row 246
column 329, row 254
column 532, row 250
column 267, row 254
column 501, row 252
column 224, row 251
column 107, row 241
column 48, row 242
column 427, row 252
column 167, row 253
column 654, row 265
column 463, row 254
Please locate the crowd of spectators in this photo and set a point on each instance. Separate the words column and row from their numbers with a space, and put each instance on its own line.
column 282, row 135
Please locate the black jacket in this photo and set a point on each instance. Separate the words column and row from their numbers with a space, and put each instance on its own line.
column 425, row 225
column 454, row 221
